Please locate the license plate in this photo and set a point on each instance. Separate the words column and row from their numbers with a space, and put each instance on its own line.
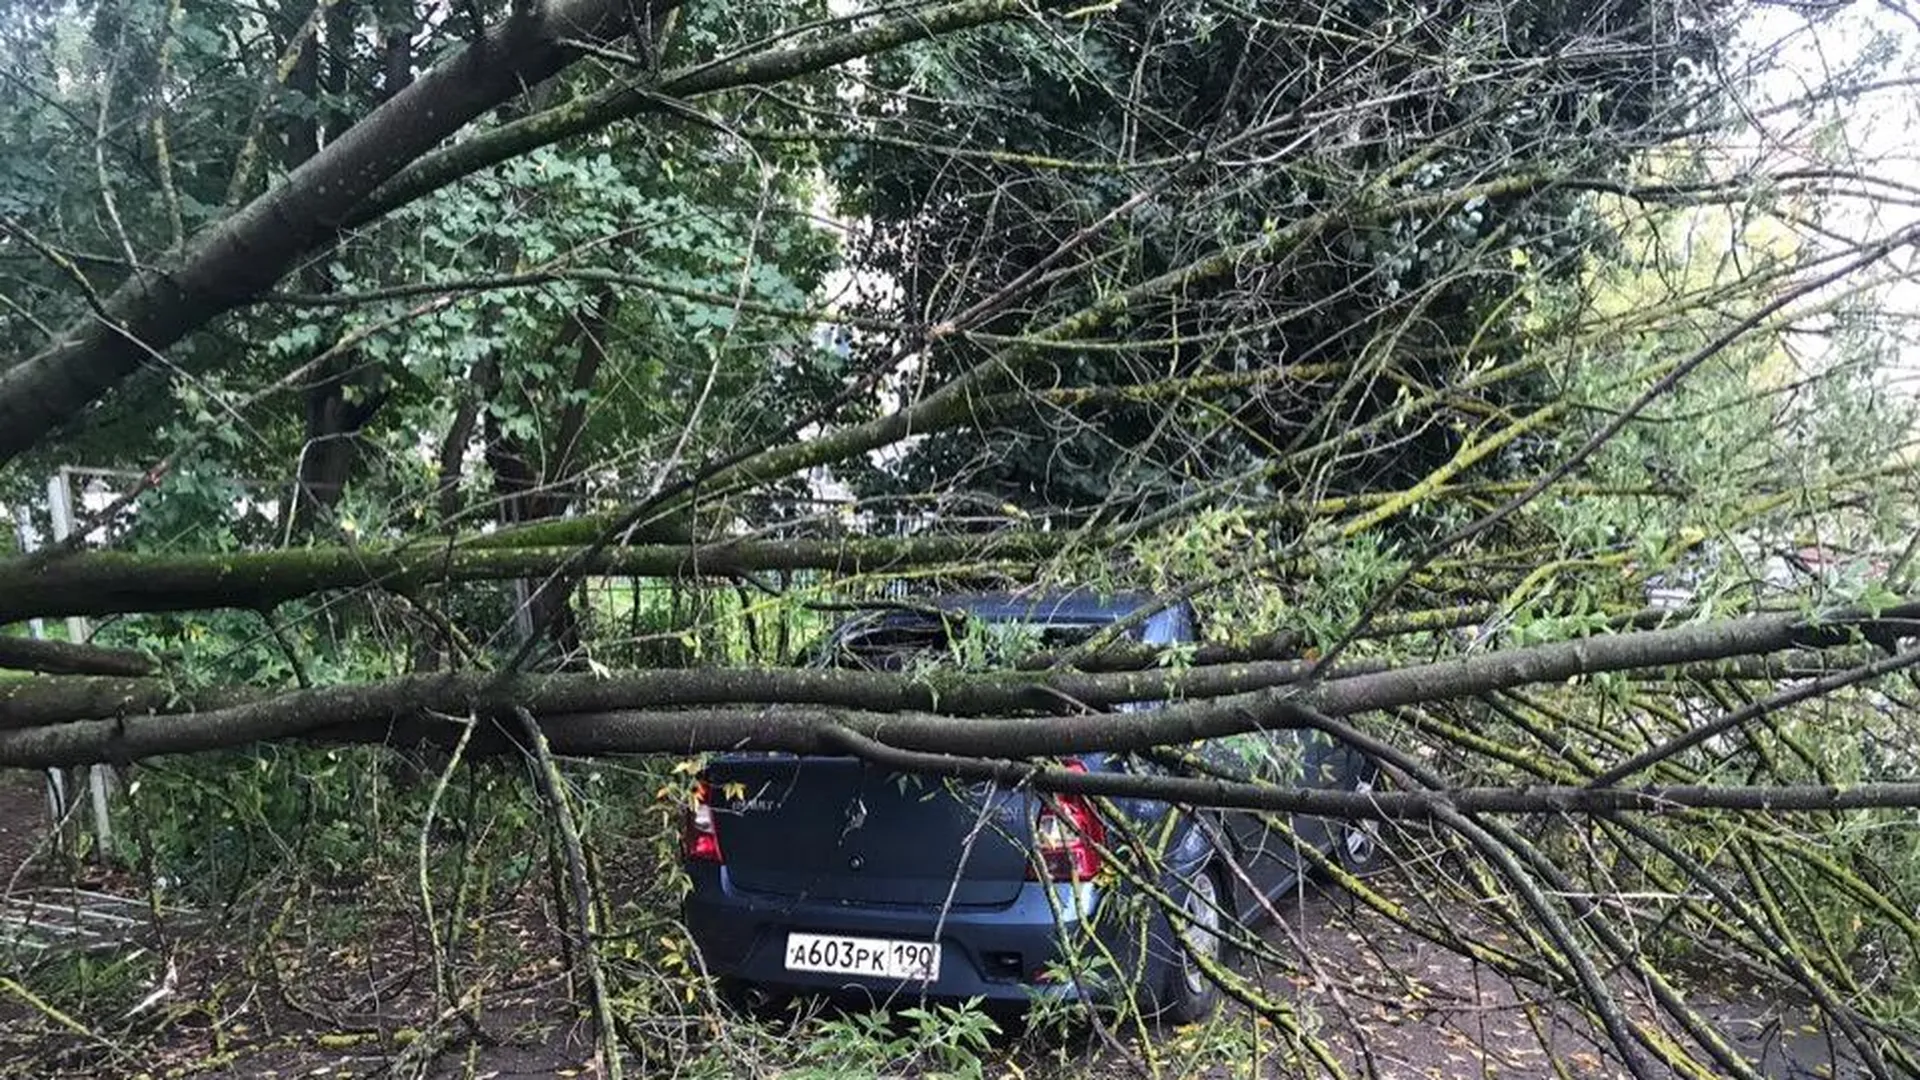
column 876, row 958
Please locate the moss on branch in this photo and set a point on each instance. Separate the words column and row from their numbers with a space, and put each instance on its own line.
column 108, row 582
column 689, row 711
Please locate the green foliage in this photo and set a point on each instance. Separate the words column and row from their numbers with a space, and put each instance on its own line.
column 218, row 827
column 945, row 1041
column 85, row 983
column 1138, row 103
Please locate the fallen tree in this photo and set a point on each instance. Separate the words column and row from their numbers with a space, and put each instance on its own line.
column 1385, row 337
column 961, row 715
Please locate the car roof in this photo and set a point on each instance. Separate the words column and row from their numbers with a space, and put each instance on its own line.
column 1076, row 605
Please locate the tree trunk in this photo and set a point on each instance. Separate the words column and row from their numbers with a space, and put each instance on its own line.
column 544, row 608
column 397, row 23
column 339, row 406
column 484, row 374
column 338, row 57
column 343, row 398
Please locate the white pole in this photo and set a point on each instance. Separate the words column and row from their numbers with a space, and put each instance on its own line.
column 29, row 539
column 60, row 503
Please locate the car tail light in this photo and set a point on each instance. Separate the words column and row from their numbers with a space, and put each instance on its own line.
column 1067, row 836
column 702, row 839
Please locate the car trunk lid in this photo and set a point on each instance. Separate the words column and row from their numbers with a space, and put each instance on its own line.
column 839, row 829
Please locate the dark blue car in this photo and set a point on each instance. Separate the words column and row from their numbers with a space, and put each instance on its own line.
column 826, row 874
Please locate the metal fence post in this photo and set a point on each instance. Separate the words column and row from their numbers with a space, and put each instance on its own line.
column 28, row 539
column 60, row 504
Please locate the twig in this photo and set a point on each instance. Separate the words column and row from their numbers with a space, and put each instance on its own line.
column 437, row 948
column 57, row 1016
column 552, row 788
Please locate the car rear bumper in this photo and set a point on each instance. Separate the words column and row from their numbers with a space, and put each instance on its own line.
column 996, row 953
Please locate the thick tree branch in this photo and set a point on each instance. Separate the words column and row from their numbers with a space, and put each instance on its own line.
column 637, row 713
column 949, row 694
column 107, row 582
column 1371, row 805
column 443, row 167
column 34, row 702
column 65, row 658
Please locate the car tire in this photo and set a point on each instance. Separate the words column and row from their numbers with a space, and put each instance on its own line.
column 1190, row 994
column 1356, row 843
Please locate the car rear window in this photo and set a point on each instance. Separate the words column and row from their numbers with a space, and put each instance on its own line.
column 898, row 645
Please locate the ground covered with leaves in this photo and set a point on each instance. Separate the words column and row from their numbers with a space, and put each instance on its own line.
column 330, row 973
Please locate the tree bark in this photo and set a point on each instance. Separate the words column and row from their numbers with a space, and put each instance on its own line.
column 64, row 658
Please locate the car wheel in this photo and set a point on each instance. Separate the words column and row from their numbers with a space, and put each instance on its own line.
column 1191, row 994
column 1356, row 842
